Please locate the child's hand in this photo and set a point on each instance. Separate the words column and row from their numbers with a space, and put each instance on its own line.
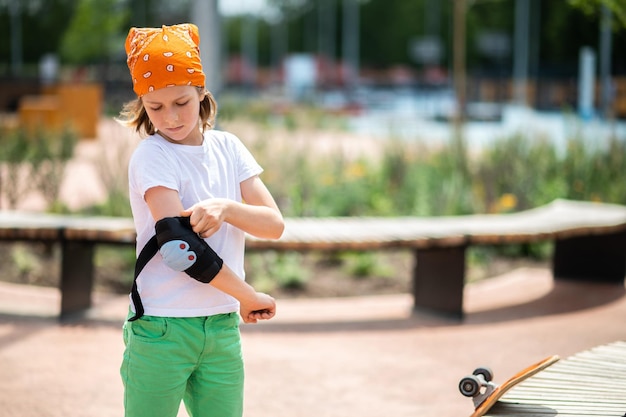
column 207, row 216
column 263, row 308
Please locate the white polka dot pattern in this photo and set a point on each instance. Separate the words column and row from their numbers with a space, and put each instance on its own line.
column 164, row 57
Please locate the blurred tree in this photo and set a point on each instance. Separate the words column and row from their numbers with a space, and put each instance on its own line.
column 490, row 35
column 592, row 7
column 94, row 31
column 387, row 29
column 91, row 30
column 43, row 24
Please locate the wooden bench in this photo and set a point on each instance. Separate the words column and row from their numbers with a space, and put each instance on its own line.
column 590, row 383
column 589, row 243
column 77, row 237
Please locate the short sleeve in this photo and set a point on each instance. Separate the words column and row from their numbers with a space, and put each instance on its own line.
column 247, row 166
column 151, row 166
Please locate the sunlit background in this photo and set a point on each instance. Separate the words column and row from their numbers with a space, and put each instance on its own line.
column 467, row 76
column 381, row 108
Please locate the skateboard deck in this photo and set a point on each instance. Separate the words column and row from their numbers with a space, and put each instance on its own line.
column 485, row 393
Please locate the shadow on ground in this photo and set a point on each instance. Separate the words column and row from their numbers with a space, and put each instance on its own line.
column 517, row 296
column 564, row 297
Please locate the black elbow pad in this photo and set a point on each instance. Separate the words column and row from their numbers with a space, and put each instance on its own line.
column 183, row 250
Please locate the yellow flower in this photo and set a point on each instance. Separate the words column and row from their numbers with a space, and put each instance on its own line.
column 356, row 170
column 328, row 180
column 507, row 202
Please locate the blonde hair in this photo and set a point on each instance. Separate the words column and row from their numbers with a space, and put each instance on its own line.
column 134, row 114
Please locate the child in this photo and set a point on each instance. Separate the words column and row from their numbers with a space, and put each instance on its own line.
column 182, row 338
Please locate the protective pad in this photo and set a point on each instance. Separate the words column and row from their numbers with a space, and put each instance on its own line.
column 183, row 250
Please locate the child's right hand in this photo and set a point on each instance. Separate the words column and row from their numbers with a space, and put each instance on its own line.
column 262, row 308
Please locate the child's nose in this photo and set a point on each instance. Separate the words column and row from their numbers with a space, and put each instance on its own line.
column 171, row 116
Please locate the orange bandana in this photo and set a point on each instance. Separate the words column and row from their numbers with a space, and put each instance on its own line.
column 164, row 57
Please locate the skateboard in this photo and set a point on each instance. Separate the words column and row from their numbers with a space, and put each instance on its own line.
column 485, row 393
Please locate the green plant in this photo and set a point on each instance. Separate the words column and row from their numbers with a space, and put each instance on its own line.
column 112, row 168
column 50, row 153
column 15, row 174
column 364, row 264
column 515, row 172
column 24, row 260
column 93, row 32
column 269, row 270
column 594, row 173
column 115, row 267
column 505, row 169
column 34, row 159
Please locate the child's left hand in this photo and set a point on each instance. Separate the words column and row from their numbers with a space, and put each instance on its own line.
column 262, row 308
column 256, row 315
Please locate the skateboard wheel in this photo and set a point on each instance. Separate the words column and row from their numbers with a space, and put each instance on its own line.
column 485, row 372
column 470, row 386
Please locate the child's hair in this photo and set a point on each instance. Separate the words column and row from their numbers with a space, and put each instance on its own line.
column 134, row 114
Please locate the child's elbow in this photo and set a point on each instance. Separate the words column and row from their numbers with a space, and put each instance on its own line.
column 278, row 229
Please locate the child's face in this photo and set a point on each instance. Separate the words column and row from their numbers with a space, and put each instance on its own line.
column 175, row 113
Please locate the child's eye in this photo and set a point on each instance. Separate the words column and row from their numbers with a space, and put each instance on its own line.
column 155, row 108
column 183, row 104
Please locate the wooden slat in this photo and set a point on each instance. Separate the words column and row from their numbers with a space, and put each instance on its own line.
column 590, row 383
column 38, row 226
column 558, row 409
column 439, row 242
column 558, row 220
column 100, row 229
column 29, row 226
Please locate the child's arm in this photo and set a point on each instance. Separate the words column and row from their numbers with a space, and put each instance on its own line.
column 164, row 202
column 258, row 216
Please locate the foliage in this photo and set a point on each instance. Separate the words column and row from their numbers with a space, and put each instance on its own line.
column 34, row 160
column 592, row 7
column 516, row 172
column 112, row 167
column 50, row 155
column 504, row 171
column 114, row 266
column 94, row 32
column 43, row 24
column 406, row 177
column 271, row 269
column 24, row 260
column 14, row 154
column 364, row 264
column 406, row 21
column 86, row 31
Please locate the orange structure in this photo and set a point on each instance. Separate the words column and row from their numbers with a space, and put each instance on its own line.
column 77, row 106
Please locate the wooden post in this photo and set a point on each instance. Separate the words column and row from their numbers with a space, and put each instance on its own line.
column 76, row 277
column 598, row 258
column 438, row 280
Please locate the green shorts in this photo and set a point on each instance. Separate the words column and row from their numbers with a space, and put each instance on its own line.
column 197, row 360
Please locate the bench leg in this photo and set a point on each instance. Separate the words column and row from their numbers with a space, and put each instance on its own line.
column 600, row 258
column 438, row 280
column 76, row 277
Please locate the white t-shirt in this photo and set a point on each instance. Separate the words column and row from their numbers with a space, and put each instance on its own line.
column 214, row 169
